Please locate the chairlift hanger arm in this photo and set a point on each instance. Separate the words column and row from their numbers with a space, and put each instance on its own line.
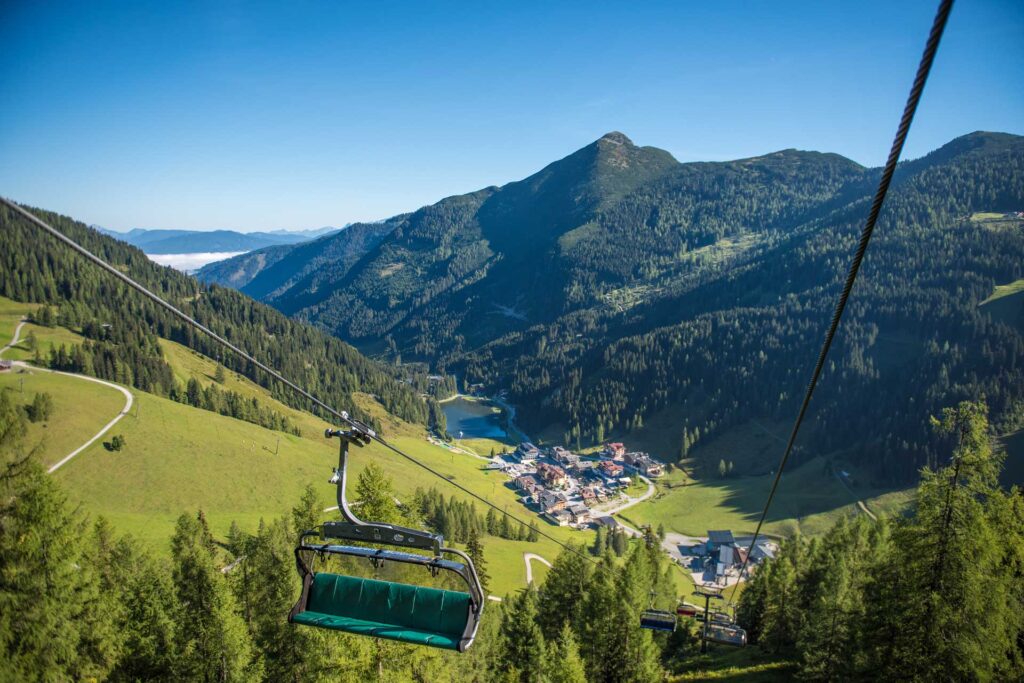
column 354, row 529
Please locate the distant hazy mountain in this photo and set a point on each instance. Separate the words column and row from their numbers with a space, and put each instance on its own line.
column 262, row 273
column 198, row 241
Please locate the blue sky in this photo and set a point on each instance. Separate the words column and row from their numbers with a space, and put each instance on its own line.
column 295, row 115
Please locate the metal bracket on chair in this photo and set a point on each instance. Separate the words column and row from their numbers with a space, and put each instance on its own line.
column 354, row 529
column 382, row 533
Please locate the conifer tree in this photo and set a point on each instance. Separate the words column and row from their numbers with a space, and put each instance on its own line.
column 475, row 550
column 307, row 514
column 55, row 622
column 211, row 640
column 563, row 594
column 564, row 664
column 600, row 542
column 780, row 620
column 145, row 609
column 950, row 608
column 289, row 653
column 376, row 496
column 523, row 645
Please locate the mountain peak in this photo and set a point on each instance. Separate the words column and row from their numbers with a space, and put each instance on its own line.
column 615, row 138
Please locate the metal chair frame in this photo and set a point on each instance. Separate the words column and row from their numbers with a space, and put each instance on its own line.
column 351, row 528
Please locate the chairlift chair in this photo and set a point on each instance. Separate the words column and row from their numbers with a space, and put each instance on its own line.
column 408, row 613
column 658, row 620
column 726, row 634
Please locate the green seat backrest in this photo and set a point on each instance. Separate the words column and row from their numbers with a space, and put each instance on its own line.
column 417, row 607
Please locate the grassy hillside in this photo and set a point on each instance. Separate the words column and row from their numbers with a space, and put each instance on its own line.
column 809, row 500
column 1007, row 304
column 183, row 459
column 80, row 409
column 10, row 313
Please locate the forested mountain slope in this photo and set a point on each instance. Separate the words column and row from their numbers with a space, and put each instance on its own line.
column 123, row 327
column 617, row 285
column 265, row 273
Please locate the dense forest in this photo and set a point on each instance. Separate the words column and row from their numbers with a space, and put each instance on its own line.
column 617, row 284
column 933, row 596
column 124, row 325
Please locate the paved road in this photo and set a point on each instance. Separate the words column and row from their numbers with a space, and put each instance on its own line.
column 630, row 502
column 528, row 557
column 128, row 399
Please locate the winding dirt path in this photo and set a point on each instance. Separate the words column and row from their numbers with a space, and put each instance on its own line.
column 529, row 557
column 128, row 398
column 14, row 339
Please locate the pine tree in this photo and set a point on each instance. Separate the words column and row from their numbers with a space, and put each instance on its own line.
column 219, row 376
column 211, row 639
column 564, row 664
column 376, row 496
column 523, row 645
column 620, row 542
column 475, row 550
column 562, row 596
column 41, row 407
column 144, row 607
column 781, row 617
column 534, row 535
column 944, row 594
column 600, row 542
column 827, row 641
column 307, row 514
column 55, row 621
column 289, row 653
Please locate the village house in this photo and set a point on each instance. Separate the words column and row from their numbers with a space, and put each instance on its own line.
column 526, row 453
column 5, row 365
column 552, row 475
column 580, row 513
column 611, row 470
column 644, row 464
column 564, row 456
column 527, row 483
column 615, row 451
column 551, row 501
column 559, row 454
column 716, row 539
column 559, row 517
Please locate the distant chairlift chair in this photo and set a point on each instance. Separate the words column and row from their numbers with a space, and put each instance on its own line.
column 657, row 619
column 726, row 634
column 384, row 609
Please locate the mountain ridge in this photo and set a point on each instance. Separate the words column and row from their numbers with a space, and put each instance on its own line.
column 577, row 289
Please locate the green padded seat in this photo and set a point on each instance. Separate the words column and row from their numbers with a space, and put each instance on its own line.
column 397, row 611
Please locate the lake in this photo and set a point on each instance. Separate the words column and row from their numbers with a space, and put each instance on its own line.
column 475, row 419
